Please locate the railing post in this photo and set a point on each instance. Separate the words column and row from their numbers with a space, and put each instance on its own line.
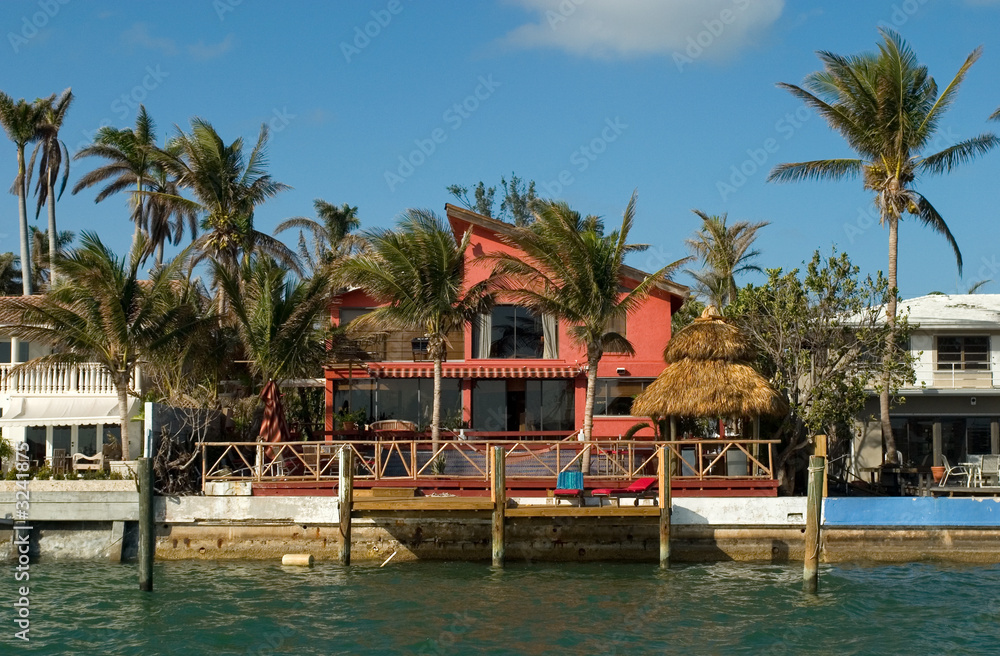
column 814, row 505
column 345, row 492
column 204, row 467
column 663, row 474
column 498, row 474
column 147, row 527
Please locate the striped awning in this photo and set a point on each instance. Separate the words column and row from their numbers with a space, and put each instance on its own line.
column 463, row 370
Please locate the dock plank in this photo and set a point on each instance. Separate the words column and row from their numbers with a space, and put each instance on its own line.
column 584, row 511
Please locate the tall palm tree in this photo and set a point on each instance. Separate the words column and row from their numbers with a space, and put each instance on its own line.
column 725, row 252
column 166, row 214
column 572, row 270
column 52, row 156
column 133, row 166
column 227, row 186
column 101, row 312
column 331, row 234
column 418, row 271
column 41, row 259
column 277, row 318
column 20, row 120
column 888, row 109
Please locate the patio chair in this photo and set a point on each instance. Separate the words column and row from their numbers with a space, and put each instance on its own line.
column 83, row 462
column 639, row 488
column 569, row 485
column 956, row 470
column 989, row 470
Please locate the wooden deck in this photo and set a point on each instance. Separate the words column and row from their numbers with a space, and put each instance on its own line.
column 524, row 488
column 363, row 506
column 962, row 491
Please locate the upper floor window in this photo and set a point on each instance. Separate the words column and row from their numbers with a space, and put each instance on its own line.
column 510, row 331
column 963, row 353
column 6, row 352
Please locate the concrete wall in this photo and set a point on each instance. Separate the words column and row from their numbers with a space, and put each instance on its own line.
column 78, row 524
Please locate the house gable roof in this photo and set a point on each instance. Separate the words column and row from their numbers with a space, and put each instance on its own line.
column 501, row 229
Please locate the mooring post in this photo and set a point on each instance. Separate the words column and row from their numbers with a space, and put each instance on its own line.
column 147, row 527
column 663, row 474
column 814, row 505
column 345, row 493
column 498, row 475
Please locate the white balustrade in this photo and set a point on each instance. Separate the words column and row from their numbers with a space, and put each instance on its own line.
column 88, row 379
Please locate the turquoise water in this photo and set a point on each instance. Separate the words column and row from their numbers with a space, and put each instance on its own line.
column 534, row 608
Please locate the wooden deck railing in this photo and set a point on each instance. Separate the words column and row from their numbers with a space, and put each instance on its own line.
column 403, row 460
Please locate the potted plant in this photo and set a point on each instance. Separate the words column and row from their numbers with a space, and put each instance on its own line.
column 348, row 420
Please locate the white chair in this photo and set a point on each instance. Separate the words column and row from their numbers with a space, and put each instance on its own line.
column 957, row 470
column 989, row 469
column 82, row 462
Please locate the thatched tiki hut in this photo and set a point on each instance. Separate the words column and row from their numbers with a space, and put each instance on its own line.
column 709, row 375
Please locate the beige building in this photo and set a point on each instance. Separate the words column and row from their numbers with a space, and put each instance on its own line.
column 71, row 408
column 954, row 407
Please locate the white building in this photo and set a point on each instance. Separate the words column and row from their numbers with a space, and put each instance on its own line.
column 954, row 407
column 67, row 407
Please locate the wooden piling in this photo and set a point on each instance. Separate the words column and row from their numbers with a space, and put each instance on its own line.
column 345, row 493
column 498, row 476
column 814, row 505
column 147, row 527
column 663, row 474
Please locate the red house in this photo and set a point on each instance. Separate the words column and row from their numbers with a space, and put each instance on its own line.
column 510, row 372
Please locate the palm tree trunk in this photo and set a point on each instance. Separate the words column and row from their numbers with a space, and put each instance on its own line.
column 138, row 215
column 890, row 318
column 121, row 386
column 22, row 210
column 588, row 409
column 52, row 230
column 159, row 254
column 436, row 403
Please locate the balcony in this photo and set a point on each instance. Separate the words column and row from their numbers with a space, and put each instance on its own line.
column 87, row 379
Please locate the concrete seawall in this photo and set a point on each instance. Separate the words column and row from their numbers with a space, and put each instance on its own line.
column 96, row 523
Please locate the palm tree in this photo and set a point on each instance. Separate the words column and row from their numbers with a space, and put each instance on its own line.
column 331, row 234
column 10, row 274
column 133, row 165
column 41, row 260
column 53, row 156
column 277, row 318
column 572, row 270
column 725, row 252
column 101, row 312
column 888, row 109
column 20, row 119
column 227, row 187
column 418, row 271
column 130, row 164
column 166, row 214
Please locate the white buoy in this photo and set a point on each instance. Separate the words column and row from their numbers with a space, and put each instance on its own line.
column 297, row 560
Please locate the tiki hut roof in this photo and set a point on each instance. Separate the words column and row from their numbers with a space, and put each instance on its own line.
column 709, row 375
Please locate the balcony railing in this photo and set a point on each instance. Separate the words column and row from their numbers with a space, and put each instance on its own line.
column 412, row 460
column 88, row 378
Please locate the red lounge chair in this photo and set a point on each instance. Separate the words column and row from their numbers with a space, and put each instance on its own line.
column 569, row 485
column 639, row 488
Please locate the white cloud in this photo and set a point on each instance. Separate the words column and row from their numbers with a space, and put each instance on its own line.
column 203, row 51
column 138, row 35
column 606, row 29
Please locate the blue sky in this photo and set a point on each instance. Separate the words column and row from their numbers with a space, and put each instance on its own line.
column 382, row 104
